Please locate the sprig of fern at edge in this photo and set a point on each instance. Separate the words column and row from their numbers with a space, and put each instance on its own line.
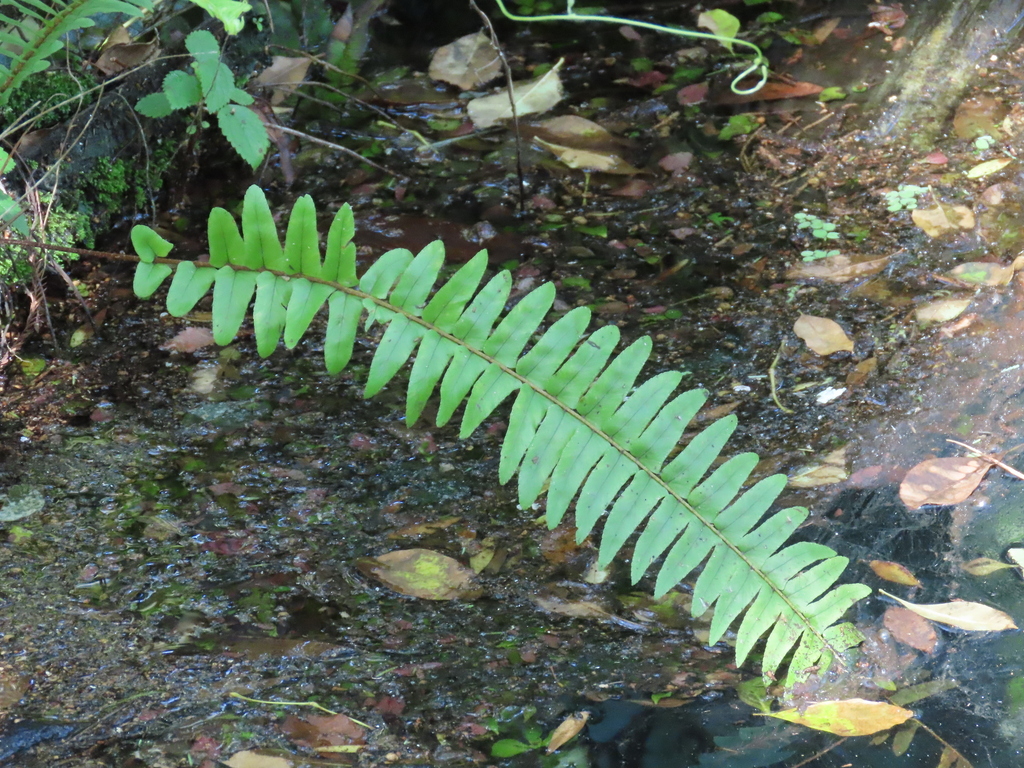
column 828, row 640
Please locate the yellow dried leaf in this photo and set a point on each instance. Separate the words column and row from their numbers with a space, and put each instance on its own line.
column 422, row 573
column 943, row 218
column 894, row 572
column 567, row 730
column 822, row 335
column 850, row 717
column 982, row 273
column 941, row 311
column 588, row 159
column 973, row 617
column 988, row 167
column 942, row 481
column 984, row 566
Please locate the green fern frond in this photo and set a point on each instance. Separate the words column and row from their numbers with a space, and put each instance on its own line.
column 42, row 25
column 580, row 425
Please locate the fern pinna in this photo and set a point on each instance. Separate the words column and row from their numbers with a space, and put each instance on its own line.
column 37, row 29
column 579, row 424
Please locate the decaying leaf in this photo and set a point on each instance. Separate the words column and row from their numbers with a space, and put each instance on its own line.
column 578, row 132
column 822, row 335
column 988, row 167
column 468, row 62
column 982, row 273
column 903, row 737
column 942, row 218
column 894, row 572
column 830, row 471
column 283, row 74
column 567, row 730
column 1016, row 556
column 861, row 371
column 850, row 717
column 941, row 311
column 985, row 566
column 589, row 160
column 837, row 269
column 250, row 759
column 422, row 573
column 531, row 97
column 910, row 629
column 973, row 617
column 189, row 340
column 942, row 481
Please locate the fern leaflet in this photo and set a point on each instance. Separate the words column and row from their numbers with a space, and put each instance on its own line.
column 42, row 25
column 580, row 425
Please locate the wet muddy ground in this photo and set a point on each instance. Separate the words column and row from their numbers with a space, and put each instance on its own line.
column 201, row 515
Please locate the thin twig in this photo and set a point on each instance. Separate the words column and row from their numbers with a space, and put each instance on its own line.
column 988, row 457
column 512, row 103
column 339, row 148
column 772, row 382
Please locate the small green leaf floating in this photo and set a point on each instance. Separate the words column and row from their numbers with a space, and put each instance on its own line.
column 581, row 425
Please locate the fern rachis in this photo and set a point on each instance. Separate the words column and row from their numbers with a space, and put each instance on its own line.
column 580, row 425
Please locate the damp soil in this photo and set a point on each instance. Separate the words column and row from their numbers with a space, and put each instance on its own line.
column 203, row 514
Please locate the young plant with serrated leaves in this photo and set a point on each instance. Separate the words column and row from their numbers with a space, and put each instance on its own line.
column 211, row 85
column 580, row 424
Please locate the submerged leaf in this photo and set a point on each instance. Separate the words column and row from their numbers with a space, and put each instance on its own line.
column 850, row 717
column 974, row 617
column 423, row 573
column 531, row 97
column 942, row 481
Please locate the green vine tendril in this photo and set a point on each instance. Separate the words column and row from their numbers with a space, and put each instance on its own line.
column 759, row 64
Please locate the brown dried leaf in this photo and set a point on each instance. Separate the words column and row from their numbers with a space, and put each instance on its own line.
column 910, row 629
column 283, row 74
column 973, row 617
column 942, row 218
column 942, row 481
column 837, row 269
column 861, row 371
column 822, row 335
column 567, row 730
column 771, row 92
column 851, row 717
column 531, row 97
column 589, row 160
column 894, row 572
column 189, row 340
column 468, row 62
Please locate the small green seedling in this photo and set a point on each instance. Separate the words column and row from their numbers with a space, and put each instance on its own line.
column 984, row 142
column 818, row 254
column 211, row 84
column 904, row 198
column 825, row 230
